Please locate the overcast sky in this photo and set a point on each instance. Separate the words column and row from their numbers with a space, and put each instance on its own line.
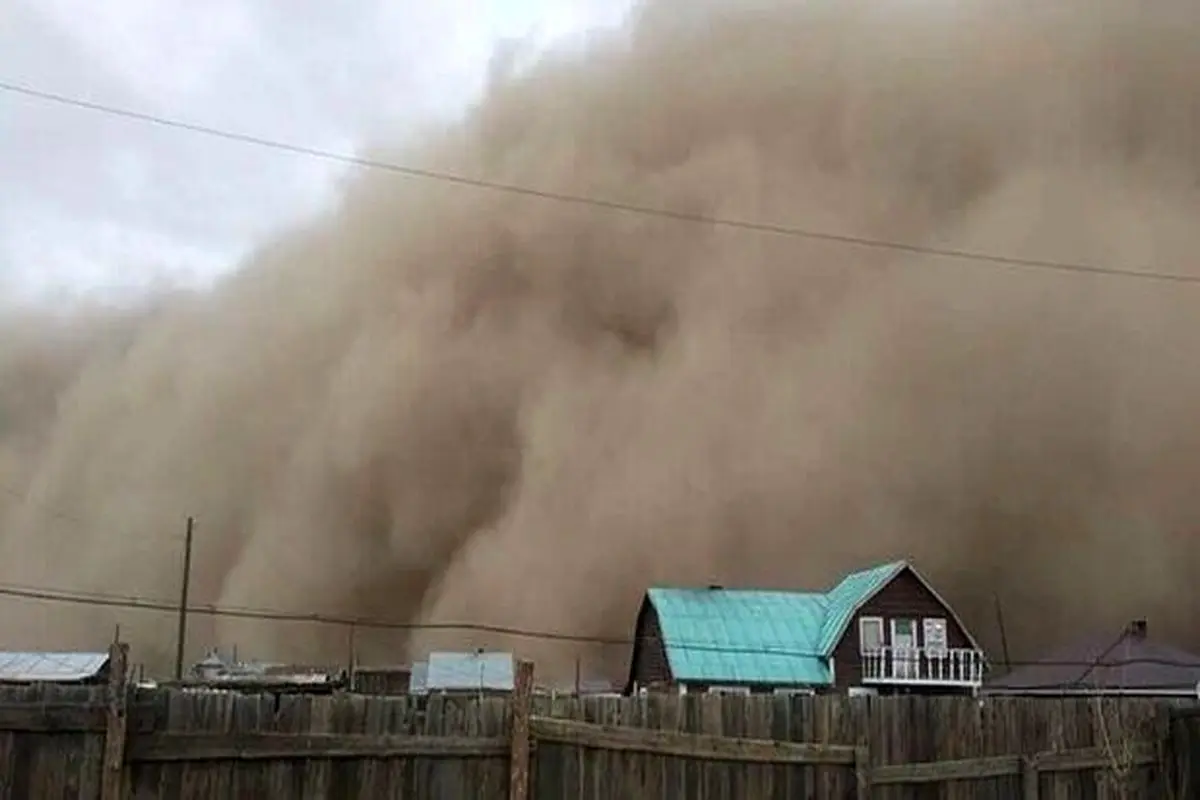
column 92, row 202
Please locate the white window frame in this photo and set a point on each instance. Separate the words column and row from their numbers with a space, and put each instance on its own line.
column 794, row 691
column 739, row 690
column 905, row 663
column 895, row 626
column 862, row 639
column 930, row 622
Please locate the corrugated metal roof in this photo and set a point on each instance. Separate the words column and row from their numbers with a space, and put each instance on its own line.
column 742, row 636
column 48, row 667
column 470, row 672
column 761, row 637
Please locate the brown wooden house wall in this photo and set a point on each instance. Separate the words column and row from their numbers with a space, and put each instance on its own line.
column 649, row 665
column 904, row 597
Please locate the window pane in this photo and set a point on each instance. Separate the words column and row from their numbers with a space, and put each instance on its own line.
column 871, row 632
column 935, row 633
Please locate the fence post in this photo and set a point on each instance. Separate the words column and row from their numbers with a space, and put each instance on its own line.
column 1029, row 778
column 112, row 781
column 522, row 702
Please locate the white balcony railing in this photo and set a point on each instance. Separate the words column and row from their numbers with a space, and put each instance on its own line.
column 921, row 666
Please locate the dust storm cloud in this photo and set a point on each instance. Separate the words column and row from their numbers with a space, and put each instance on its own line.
column 440, row 404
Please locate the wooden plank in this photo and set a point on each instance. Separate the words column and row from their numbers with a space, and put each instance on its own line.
column 161, row 747
column 863, row 779
column 966, row 769
column 33, row 717
column 1091, row 758
column 53, row 718
column 687, row 745
column 862, row 751
column 112, row 781
column 522, row 700
column 1030, row 779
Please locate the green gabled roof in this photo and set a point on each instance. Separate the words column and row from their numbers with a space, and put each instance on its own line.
column 760, row 637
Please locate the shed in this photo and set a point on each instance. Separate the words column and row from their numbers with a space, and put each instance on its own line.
column 1130, row 664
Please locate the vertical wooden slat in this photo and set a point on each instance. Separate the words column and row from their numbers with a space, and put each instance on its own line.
column 522, row 700
column 112, row 783
column 862, row 747
column 1029, row 779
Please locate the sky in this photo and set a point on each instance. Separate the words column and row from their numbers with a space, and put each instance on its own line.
column 99, row 205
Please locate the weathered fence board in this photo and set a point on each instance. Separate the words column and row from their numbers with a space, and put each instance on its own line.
column 213, row 744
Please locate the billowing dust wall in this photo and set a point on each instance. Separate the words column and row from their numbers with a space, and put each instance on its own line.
column 442, row 404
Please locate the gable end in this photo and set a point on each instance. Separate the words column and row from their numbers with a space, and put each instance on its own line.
column 834, row 638
column 648, row 663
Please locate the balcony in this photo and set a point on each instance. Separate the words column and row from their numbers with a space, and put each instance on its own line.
column 923, row 667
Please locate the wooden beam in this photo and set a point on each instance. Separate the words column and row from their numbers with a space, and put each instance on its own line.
column 967, row 769
column 36, row 717
column 522, row 701
column 1092, row 758
column 687, row 745
column 112, row 782
column 162, row 747
column 53, row 718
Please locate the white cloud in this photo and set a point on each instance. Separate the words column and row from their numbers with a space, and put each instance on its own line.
column 96, row 201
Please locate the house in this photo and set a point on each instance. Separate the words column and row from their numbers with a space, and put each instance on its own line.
column 84, row 669
column 464, row 673
column 1129, row 664
column 881, row 630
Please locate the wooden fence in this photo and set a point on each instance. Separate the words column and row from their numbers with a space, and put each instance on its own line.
column 114, row 743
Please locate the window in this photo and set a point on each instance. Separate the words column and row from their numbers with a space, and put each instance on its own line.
column 935, row 634
column 904, row 648
column 794, row 691
column 904, row 633
column 870, row 634
column 729, row 690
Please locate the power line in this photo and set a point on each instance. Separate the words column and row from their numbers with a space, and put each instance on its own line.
column 142, row 604
column 612, row 205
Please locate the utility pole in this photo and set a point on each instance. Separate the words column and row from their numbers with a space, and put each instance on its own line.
column 351, row 656
column 181, row 637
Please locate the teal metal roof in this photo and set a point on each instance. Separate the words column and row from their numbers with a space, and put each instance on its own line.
column 845, row 599
column 761, row 637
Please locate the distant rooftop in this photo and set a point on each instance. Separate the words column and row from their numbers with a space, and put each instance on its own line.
column 451, row 672
column 50, row 667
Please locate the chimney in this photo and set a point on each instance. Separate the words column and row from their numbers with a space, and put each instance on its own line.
column 1137, row 629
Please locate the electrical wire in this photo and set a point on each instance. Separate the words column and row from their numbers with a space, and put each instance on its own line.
column 611, row 205
column 96, row 599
